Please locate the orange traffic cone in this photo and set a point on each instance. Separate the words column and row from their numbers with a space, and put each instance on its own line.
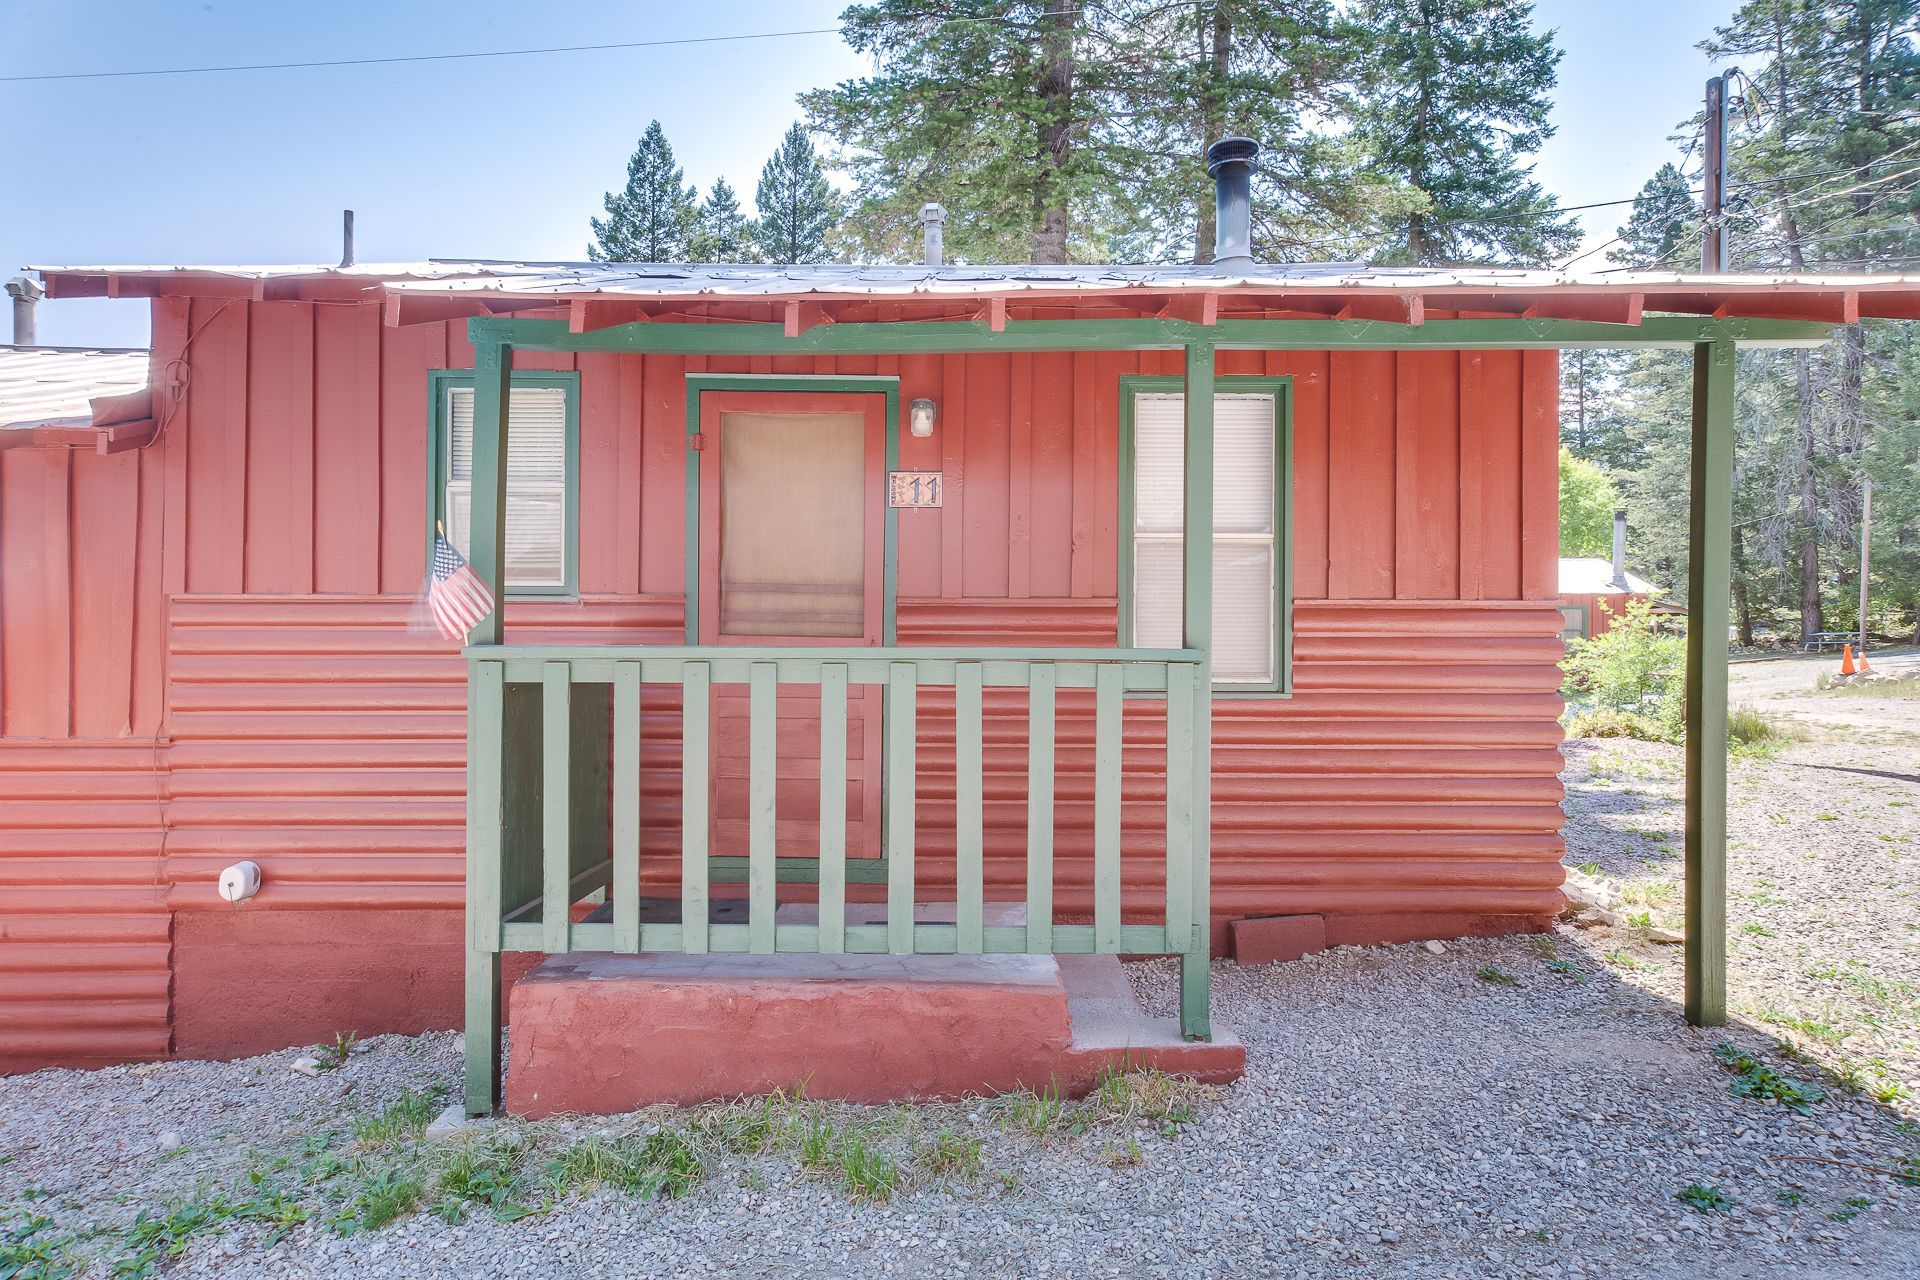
column 1862, row 665
column 1846, row 661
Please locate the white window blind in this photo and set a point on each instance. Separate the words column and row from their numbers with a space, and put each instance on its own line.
column 1244, row 531
column 536, row 516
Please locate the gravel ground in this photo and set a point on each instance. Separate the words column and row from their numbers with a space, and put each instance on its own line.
column 1823, row 869
column 1507, row 1107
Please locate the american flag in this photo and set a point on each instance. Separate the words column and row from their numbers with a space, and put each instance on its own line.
column 455, row 593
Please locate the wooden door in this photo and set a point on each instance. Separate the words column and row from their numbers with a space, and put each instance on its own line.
column 792, row 550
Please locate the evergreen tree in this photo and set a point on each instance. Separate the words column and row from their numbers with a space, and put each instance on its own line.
column 1663, row 231
column 726, row 234
column 653, row 218
column 981, row 105
column 1183, row 76
column 798, row 210
column 1456, row 97
column 1833, row 104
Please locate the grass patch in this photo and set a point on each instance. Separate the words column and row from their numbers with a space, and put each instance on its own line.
column 1754, row 1079
column 664, row 1164
column 1753, row 735
column 1126, row 1097
column 1496, row 975
column 753, row 1126
column 866, row 1170
column 952, row 1155
column 482, row 1176
column 1035, row 1114
column 382, row 1197
column 1704, row 1199
column 407, row 1116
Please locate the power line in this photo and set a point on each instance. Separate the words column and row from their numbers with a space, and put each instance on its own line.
column 426, row 57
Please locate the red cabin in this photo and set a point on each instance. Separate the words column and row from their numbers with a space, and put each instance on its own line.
column 856, row 587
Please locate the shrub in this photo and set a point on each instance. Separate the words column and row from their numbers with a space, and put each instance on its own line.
column 1630, row 679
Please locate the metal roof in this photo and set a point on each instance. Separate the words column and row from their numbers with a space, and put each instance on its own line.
column 647, row 279
column 1593, row 576
column 56, row 386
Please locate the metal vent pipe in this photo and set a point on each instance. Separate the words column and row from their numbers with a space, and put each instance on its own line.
column 26, row 294
column 1230, row 161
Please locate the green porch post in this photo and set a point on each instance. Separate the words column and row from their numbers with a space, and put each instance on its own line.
column 1196, row 973
column 492, row 375
column 1709, row 568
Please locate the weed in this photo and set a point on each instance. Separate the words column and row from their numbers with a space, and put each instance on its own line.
column 868, row 1172
column 381, row 1198
column 1621, row 960
column 664, row 1164
column 483, row 1177
column 1123, row 1156
column 1640, row 919
column 1851, row 1208
column 1704, row 1199
column 1789, row 1197
column 1753, row 735
column 29, row 1252
column 334, row 1056
column 1756, row 930
column 407, row 1116
column 1124, row 1097
column 1567, row 969
column 151, row 1241
column 749, row 1127
column 1590, row 868
column 1754, row 1079
column 1033, row 1113
column 1495, row 974
column 818, row 1138
column 952, row 1155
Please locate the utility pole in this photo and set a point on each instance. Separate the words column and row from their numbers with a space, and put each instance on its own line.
column 1866, row 546
column 1713, row 240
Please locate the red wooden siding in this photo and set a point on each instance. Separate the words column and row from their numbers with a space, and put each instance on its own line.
column 210, row 649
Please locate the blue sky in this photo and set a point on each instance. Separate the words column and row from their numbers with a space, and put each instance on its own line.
column 508, row 157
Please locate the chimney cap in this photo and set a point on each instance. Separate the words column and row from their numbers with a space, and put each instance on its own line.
column 26, row 288
column 1231, row 151
column 933, row 211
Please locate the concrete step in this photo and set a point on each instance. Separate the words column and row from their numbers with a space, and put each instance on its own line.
column 602, row 1034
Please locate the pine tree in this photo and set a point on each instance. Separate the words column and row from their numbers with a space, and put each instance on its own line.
column 725, row 234
column 1184, row 76
column 981, row 105
column 797, row 208
column 654, row 218
column 1663, row 231
column 1833, row 107
column 1456, row 96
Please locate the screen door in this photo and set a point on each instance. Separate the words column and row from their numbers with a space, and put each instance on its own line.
column 792, row 546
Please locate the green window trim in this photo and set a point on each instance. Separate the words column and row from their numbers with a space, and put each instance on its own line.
column 441, row 381
column 1281, row 389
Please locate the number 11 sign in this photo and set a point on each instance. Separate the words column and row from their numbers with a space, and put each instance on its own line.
column 913, row 489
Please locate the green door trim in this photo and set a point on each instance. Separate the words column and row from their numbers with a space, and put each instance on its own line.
column 729, row 869
column 1280, row 387
column 888, row 385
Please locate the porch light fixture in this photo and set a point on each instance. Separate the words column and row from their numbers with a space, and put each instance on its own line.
column 920, row 418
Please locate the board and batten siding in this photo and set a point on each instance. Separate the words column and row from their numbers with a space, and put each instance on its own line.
column 212, row 649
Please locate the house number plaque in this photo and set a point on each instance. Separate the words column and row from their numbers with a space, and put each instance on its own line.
column 913, row 489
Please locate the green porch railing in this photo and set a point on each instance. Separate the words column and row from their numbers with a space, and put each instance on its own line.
column 554, row 807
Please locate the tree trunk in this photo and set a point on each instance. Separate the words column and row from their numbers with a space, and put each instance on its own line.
column 1742, row 604
column 1809, row 503
column 1056, row 131
column 1213, row 113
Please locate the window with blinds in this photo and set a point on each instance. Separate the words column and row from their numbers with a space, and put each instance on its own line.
column 538, row 458
column 1246, row 544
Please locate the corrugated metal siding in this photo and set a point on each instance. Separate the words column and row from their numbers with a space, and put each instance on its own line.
column 83, row 932
column 234, row 606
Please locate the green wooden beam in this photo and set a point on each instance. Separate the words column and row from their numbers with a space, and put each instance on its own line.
column 1196, row 635
column 1709, row 569
column 492, row 382
column 865, row 338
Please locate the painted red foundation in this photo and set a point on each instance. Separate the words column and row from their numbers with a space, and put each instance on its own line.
column 606, row 1034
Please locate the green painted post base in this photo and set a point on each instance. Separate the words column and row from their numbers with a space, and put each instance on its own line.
column 1196, row 996
column 483, row 1033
